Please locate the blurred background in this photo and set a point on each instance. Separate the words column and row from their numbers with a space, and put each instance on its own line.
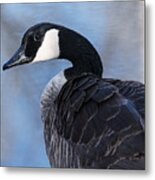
column 115, row 28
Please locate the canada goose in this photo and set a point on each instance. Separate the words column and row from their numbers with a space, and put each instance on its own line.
column 89, row 121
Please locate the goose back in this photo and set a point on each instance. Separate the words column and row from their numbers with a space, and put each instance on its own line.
column 93, row 123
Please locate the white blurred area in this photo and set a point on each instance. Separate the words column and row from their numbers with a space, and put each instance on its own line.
column 116, row 29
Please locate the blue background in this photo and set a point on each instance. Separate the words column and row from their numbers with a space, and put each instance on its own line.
column 114, row 28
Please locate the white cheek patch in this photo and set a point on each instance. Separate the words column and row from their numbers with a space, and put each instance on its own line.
column 49, row 48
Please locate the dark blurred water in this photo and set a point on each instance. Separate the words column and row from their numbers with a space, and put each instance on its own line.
column 114, row 28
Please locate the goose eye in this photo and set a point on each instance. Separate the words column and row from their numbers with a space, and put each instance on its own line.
column 36, row 37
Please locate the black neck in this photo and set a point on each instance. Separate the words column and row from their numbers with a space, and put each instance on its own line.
column 80, row 52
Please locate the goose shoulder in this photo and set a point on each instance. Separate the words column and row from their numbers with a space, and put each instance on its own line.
column 132, row 90
column 104, row 126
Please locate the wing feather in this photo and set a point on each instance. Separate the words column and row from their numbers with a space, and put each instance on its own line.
column 133, row 91
column 103, row 120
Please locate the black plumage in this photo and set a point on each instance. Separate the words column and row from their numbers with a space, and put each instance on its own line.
column 101, row 122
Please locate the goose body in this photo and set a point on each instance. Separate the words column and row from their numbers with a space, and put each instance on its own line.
column 89, row 121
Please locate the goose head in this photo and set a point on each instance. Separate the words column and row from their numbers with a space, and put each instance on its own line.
column 46, row 41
